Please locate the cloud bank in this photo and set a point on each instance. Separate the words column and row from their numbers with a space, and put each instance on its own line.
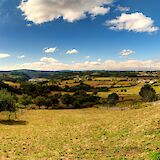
column 52, row 64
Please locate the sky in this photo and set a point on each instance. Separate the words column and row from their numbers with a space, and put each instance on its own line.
column 79, row 34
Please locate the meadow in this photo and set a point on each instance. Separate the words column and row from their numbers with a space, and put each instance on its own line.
column 86, row 134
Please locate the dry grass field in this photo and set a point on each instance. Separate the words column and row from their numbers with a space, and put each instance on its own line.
column 85, row 134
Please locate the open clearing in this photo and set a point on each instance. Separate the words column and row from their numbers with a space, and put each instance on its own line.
column 87, row 134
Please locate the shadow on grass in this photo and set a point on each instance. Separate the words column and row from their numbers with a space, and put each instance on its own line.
column 13, row 122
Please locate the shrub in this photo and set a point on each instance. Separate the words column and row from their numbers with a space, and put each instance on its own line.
column 53, row 100
column 79, row 87
column 67, row 99
column 7, row 102
column 25, row 100
column 148, row 94
column 80, row 100
column 113, row 99
column 40, row 101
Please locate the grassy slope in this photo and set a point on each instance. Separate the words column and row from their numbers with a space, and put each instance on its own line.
column 87, row 134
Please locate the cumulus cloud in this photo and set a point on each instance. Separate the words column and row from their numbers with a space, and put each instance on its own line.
column 72, row 51
column 21, row 57
column 123, row 9
column 49, row 60
column 126, row 52
column 4, row 55
column 87, row 57
column 99, row 11
column 50, row 50
column 136, row 22
column 41, row 11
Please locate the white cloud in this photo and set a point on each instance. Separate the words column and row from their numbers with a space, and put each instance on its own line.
column 49, row 60
column 50, row 50
column 87, row 57
column 123, row 9
column 29, row 25
column 41, row 11
column 21, row 57
column 72, row 51
column 136, row 22
column 94, row 65
column 4, row 55
column 53, row 64
column 126, row 52
column 99, row 11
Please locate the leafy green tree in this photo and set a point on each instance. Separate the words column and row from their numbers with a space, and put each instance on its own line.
column 148, row 94
column 67, row 99
column 113, row 99
column 40, row 101
column 53, row 99
column 25, row 100
column 7, row 102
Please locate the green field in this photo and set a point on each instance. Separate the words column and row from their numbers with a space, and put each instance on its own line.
column 86, row 134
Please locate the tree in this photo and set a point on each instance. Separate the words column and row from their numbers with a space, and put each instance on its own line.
column 148, row 94
column 95, row 92
column 25, row 100
column 46, row 101
column 40, row 101
column 113, row 99
column 7, row 102
column 52, row 100
column 67, row 99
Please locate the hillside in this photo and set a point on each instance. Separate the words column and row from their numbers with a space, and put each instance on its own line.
column 87, row 134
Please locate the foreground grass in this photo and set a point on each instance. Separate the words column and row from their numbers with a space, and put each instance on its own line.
column 87, row 134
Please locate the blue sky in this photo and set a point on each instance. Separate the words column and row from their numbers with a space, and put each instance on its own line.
column 79, row 35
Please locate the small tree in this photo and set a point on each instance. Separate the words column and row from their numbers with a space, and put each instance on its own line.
column 7, row 102
column 40, row 101
column 148, row 94
column 113, row 99
column 95, row 92
column 67, row 99
column 25, row 100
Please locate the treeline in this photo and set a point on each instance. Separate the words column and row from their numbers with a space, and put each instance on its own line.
column 116, row 74
column 37, row 96
column 11, row 102
column 77, row 100
column 25, row 75
column 40, row 89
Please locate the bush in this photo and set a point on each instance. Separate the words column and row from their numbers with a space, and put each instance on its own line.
column 25, row 100
column 148, row 94
column 80, row 100
column 113, row 99
column 79, row 87
column 53, row 100
column 40, row 101
column 67, row 99
column 7, row 102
